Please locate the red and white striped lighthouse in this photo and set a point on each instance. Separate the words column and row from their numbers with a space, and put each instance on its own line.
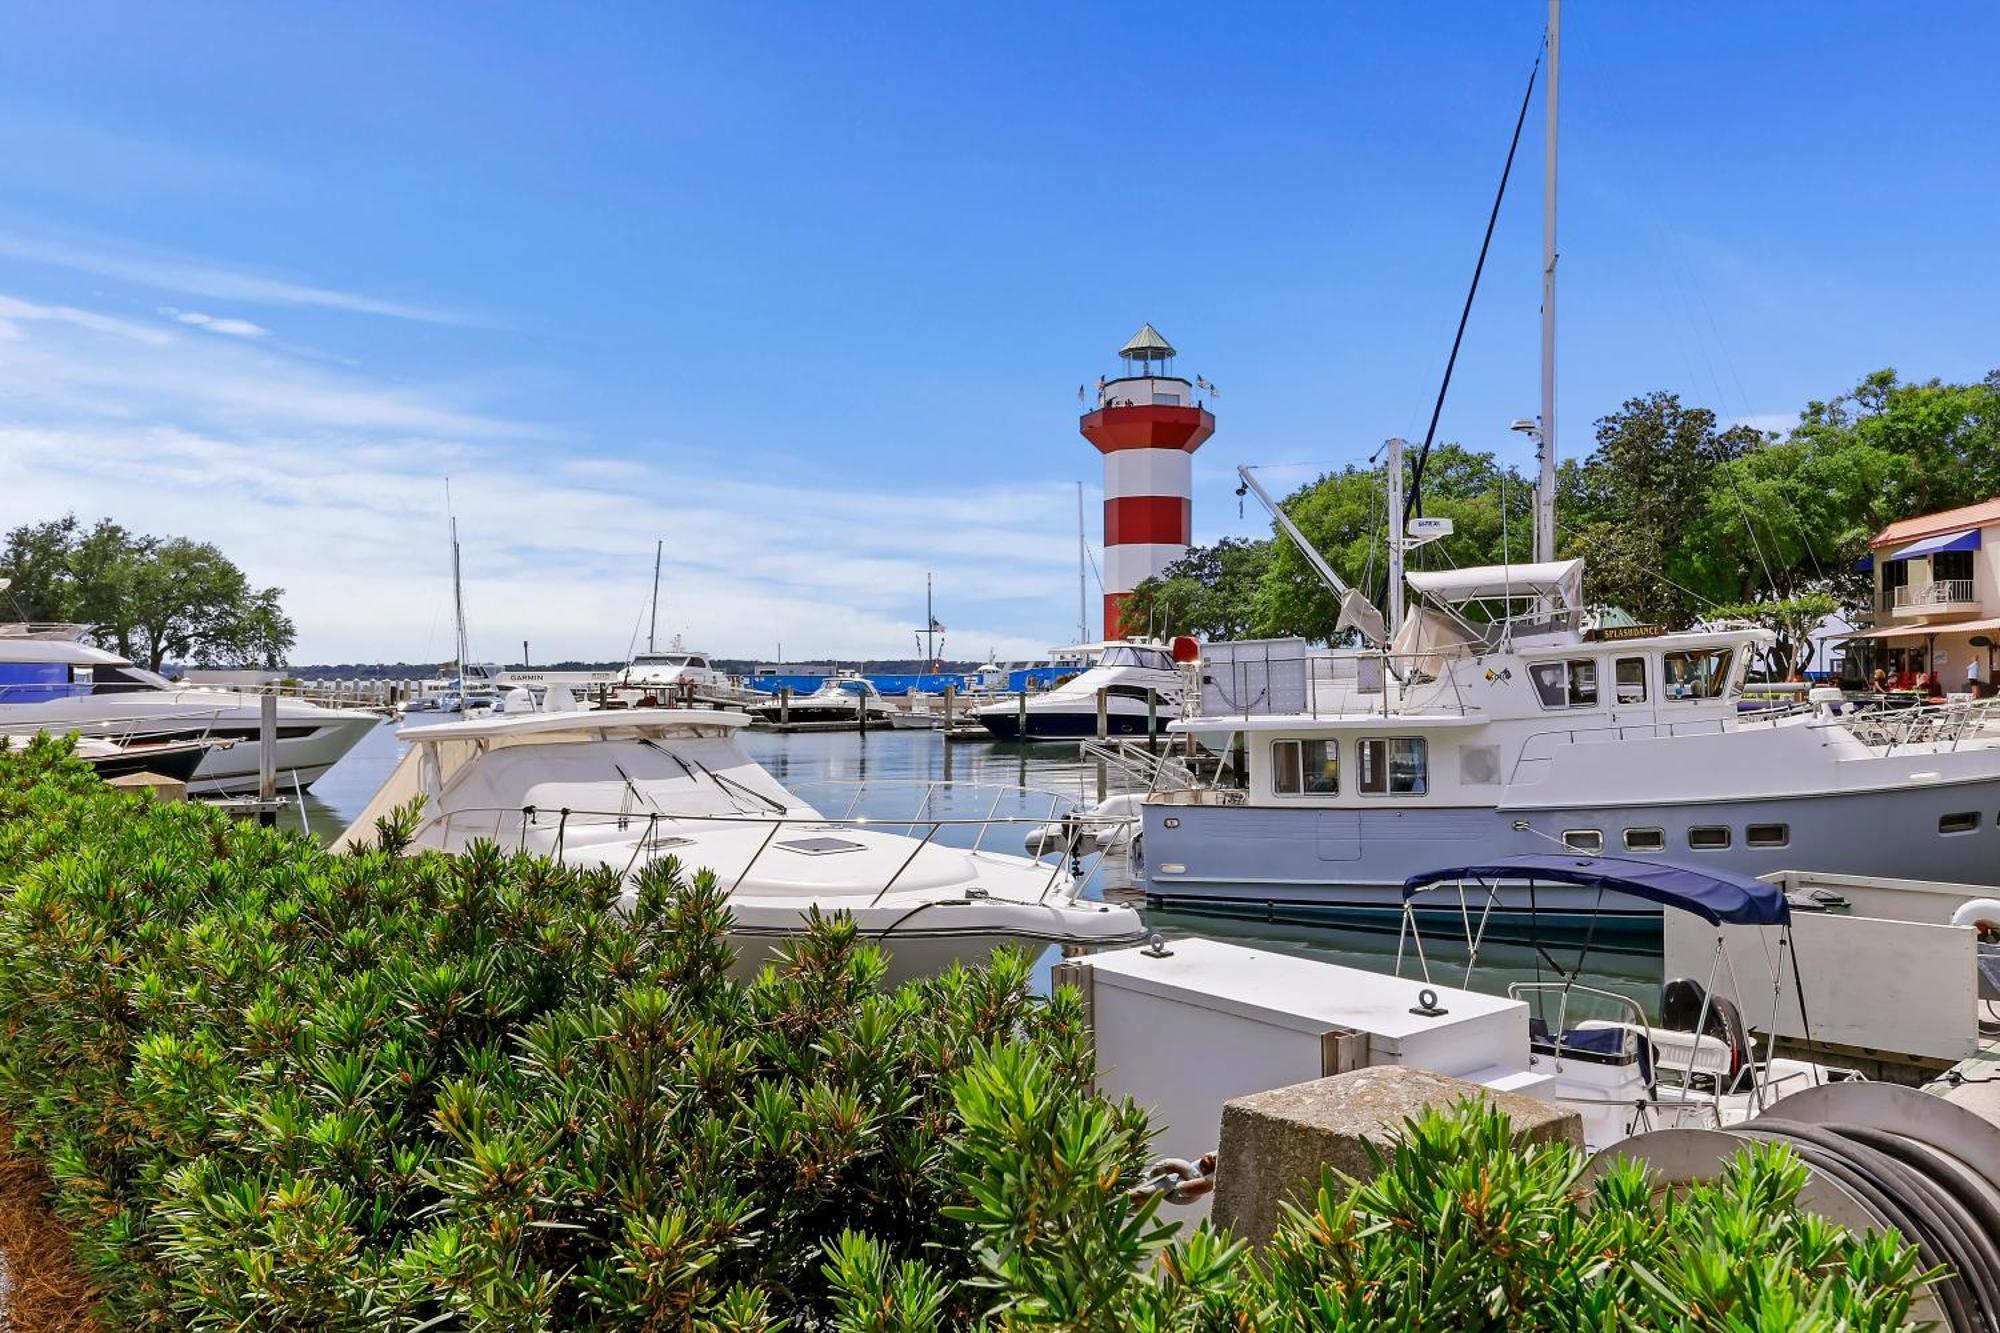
column 1147, row 425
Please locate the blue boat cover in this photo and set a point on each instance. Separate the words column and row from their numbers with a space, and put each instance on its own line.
column 1714, row 896
column 1946, row 541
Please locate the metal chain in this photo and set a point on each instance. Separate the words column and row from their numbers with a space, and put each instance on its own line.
column 1176, row 1178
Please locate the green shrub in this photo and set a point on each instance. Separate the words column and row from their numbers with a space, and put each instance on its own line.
column 1460, row 1231
column 279, row 1088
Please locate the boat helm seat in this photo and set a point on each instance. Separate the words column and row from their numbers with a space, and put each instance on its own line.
column 1682, row 1001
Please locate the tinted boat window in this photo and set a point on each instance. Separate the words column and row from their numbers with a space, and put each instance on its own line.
column 1699, row 674
column 35, row 682
column 1395, row 766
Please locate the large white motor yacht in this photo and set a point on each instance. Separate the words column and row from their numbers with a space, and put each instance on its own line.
column 1142, row 685
column 672, row 668
column 845, row 696
column 623, row 787
column 51, row 681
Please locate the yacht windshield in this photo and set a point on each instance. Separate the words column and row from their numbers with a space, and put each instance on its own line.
column 852, row 686
column 1124, row 655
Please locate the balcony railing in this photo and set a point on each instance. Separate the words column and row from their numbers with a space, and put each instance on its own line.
column 1938, row 592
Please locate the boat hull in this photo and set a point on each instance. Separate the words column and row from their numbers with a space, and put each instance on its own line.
column 1065, row 725
column 912, row 954
column 310, row 739
column 1306, row 862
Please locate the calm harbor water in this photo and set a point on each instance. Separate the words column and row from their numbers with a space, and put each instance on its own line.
column 892, row 775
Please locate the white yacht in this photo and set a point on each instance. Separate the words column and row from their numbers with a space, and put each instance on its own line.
column 620, row 788
column 1498, row 722
column 1141, row 683
column 845, row 696
column 673, row 668
column 52, row 681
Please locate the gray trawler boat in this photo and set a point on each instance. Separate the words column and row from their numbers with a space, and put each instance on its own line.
column 1531, row 731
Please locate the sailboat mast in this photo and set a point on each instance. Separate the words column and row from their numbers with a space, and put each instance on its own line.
column 458, row 603
column 930, row 626
column 1082, row 587
column 1545, row 493
column 653, row 624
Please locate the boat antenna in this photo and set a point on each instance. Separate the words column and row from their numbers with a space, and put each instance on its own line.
column 1415, row 504
column 654, row 623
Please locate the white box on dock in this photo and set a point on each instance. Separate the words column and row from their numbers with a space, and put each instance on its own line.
column 1183, row 1033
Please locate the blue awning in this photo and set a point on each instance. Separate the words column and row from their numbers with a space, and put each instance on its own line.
column 1714, row 896
column 1947, row 541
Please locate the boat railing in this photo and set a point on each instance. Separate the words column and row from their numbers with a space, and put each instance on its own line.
column 46, row 631
column 193, row 723
column 1070, row 859
column 1147, row 767
column 1699, row 1065
column 1029, row 801
column 1948, row 724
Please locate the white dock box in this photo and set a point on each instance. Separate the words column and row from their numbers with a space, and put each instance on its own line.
column 1183, row 1033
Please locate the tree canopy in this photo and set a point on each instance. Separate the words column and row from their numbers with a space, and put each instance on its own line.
column 1678, row 516
column 151, row 599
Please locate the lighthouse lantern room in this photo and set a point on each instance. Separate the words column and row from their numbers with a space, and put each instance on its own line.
column 1147, row 424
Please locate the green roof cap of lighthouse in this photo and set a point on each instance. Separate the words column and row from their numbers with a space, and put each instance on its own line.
column 1147, row 345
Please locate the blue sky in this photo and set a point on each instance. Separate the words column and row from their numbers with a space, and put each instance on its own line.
column 807, row 290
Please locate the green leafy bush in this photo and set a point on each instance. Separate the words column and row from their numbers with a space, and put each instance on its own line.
column 279, row 1088
column 1461, row 1230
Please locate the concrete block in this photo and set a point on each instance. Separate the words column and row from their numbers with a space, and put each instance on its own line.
column 1275, row 1144
column 160, row 788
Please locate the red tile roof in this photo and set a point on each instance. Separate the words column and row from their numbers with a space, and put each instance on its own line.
column 1930, row 525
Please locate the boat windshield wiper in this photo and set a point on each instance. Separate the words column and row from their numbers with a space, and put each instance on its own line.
column 732, row 785
column 658, row 748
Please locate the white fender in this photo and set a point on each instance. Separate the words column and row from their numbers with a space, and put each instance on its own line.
column 1983, row 913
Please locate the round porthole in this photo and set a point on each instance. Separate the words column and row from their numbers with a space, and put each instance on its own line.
column 1172, row 821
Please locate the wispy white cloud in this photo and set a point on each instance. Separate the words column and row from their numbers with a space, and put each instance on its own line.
column 329, row 483
column 14, row 313
column 189, row 275
column 235, row 328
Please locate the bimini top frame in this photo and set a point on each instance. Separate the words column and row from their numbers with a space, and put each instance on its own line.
column 1720, row 899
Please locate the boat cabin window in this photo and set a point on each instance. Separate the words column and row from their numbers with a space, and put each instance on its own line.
column 1767, row 835
column 1395, row 766
column 1645, row 840
column 1963, row 822
column 1709, row 837
column 1629, row 680
column 1305, row 768
column 1124, row 655
column 1571, row 684
column 1700, row 673
column 1589, row 841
